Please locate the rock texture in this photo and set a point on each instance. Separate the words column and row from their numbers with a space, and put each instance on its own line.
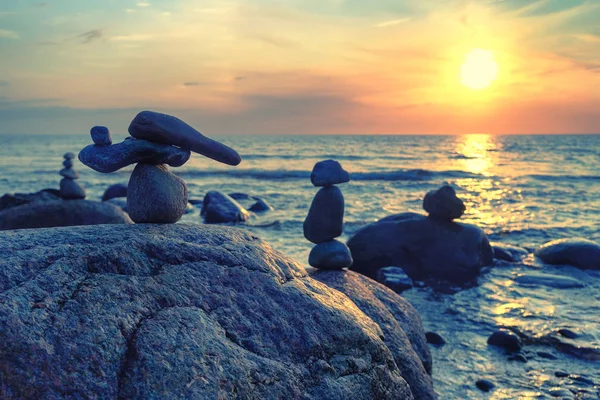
column 218, row 207
column 61, row 213
column 70, row 189
column 399, row 321
column 325, row 219
column 176, row 311
column 330, row 255
column 101, row 136
column 423, row 247
column 328, row 173
column 443, row 204
column 13, row 200
column 580, row 253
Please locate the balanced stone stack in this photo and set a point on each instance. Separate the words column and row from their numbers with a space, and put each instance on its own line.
column 325, row 219
column 69, row 189
column 154, row 194
column 442, row 204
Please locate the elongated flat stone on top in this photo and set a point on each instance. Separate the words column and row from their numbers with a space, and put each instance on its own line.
column 162, row 128
column 328, row 173
column 69, row 156
column 101, row 136
column 69, row 173
column 112, row 158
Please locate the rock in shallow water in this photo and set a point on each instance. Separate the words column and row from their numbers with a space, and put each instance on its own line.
column 112, row 158
column 217, row 207
column 554, row 281
column 101, row 136
column 505, row 339
column 330, row 255
column 443, row 204
column 325, row 219
column 155, row 195
column 328, row 173
column 71, row 190
column 260, row 205
column 580, row 253
column 177, row 311
column 116, row 190
column 484, row 385
column 163, row 128
column 434, row 339
column 507, row 252
column 395, row 278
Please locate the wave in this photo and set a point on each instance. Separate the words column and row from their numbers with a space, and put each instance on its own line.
column 555, row 178
column 324, row 157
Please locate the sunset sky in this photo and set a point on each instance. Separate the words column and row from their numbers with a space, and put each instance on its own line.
column 300, row 66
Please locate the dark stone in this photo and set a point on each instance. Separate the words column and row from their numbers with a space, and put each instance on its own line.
column 569, row 334
column 561, row 374
column 112, row 158
column 330, row 255
column 260, row 205
column 61, row 213
column 484, row 385
column 155, row 195
column 518, row 357
column 18, row 199
column 424, row 247
column 506, row 339
column 119, row 202
column 395, row 278
column 580, row 253
column 546, row 355
column 507, row 252
column 400, row 323
column 328, row 173
column 325, row 218
column 241, row 196
column 116, row 190
column 69, row 156
column 162, row 128
column 443, row 204
column 218, row 207
column 101, row 136
column 69, row 173
column 196, row 202
column 434, row 339
column 71, row 190
column 68, row 163
column 554, row 281
column 195, row 312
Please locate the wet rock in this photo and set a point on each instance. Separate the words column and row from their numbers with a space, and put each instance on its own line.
column 484, row 385
column 69, row 173
column 554, row 281
column 581, row 253
column 424, row 247
column 434, row 339
column 101, row 136
column 241, row 196
column 112, row 158
column 559, row 392
column 155, row 195
column 518, row 357
column 569, row 334
column 443, row 204
column 546, row 355
column 17, row 199
column 71, row 190
column 507, row 252
column 330, row 255
column 328, row 173
column 196, row 312
column 217, row 207
column 162, row 128
column 260, row 205
column 325, row 218
column 506, row 339
column 561, row 374
column 401, row 325
column 61, row 213
column 116, row 190
column 394, row 278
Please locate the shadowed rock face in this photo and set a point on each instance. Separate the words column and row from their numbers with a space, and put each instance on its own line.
column 176, row 311
column 580, row 253
column 217, row 207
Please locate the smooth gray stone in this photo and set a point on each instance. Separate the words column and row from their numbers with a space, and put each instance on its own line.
column 443, row 204
column 162, row 128
column 327, row 173
column 61, row 213
column 17, row 199
column 116, row 190
column 190, row 312
column 424, row 247
column 69, row 173
column 260, row 205
column 506, row 339
column 101, row 136
column 112, row 158
column 399, row 321
column 580, row 253
column 218, row 207
column 68, row 163
column 155, row 195
column 71, row 190
column 330, row 255
column 554, row 281
column 69, row 156
column 325, row 218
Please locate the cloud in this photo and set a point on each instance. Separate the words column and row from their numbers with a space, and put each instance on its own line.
column 276, row 41
column 240, row 78
column 136, row 37
column 143, row 4
column 130, row 10
column 392, row 22
column 90, row 36
column 48, row 43
column 8, row 34
column 588, row 37
column 191, row 83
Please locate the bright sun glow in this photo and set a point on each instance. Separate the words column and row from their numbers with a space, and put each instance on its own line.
column 479, row 69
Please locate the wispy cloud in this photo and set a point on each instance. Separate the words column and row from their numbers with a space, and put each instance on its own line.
column 585, row 37
column 392, row 22
column 4, row 33
column 130, row 10
column 191, row 83
column 136, row 37
column 90, row 36
column 143, row 4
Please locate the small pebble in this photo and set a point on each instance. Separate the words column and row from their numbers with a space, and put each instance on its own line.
column 101, row 136
column 484, row 385
column 435, row 339
column 569, row 334
column 561, row 374
column 505, row 339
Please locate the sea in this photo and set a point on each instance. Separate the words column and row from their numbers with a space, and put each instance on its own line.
column 523, row 190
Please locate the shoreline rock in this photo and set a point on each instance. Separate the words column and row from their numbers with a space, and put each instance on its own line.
column 580, row 253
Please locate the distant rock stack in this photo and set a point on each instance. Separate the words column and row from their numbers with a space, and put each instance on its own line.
column 443, row 204
column 154, row 194
column 69, row 189
column 325, row 218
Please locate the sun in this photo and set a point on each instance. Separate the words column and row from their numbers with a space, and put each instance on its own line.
column 479, row 69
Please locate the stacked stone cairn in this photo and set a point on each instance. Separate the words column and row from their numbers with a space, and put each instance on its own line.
column 325, row 219
column 443, row 204
column 154, row 194
column 69, row 189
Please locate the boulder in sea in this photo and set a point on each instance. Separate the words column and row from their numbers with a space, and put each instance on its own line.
column 71, row 190
column 484, row 385
column 506, row 339
column 260, row 205
column 101, row 136
column 163, row 128
column 196, row 312
column 434, row 339
column 325, row 218
column 61, row 213
column 443, row 204
column 533, row 279
column 112, row 158
column 508, row 252
column 69, row 156
column 328, row 173
column 217, row 207
column 330, row 255
column 395, row 278
column 17, row 199
column 155, row 195
column 424, row 247
column 580, row 253
column 116, row 190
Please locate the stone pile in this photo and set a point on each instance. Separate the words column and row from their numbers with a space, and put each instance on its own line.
column 325, row 219
column 154, row 194
column 69, row 189
column 442, row 204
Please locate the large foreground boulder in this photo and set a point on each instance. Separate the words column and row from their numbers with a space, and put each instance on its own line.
column 178, row 311
column 580, row 253
column 425, row 248
column 62, row 213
